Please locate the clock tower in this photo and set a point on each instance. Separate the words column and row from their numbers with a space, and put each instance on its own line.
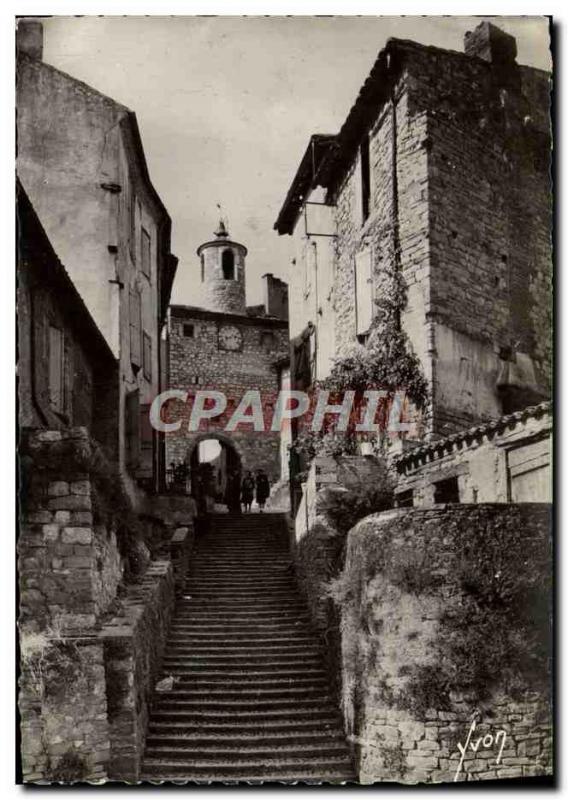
column 222, row 272
column 224, row 346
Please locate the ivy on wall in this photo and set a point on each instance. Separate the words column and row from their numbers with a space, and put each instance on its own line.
column 385, row 363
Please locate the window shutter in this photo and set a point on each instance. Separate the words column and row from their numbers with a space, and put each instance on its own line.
column 69, row 377
column 146, row 465
column 132, row 429
column 56, row 357
column 135, row 327
column 40, row 365
column 363, row 291
column 132, row 223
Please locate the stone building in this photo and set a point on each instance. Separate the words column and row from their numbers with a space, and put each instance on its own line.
column 440, row 174
column 81, row 160
column 67, row 373
column 507, row 460
column 226, row 347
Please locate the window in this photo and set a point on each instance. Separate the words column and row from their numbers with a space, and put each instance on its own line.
column 202, row 267
column 310, row 263
column 267, row 340
column 228, row 265
column 447, row 491
column 132, row 428
column 135, row 328
column 405, row 499
column 132, row 225
column 364, row 157
column 147, row 356
column 189, row 331
column 146, row 248
column 56, row 369
column 363, row 293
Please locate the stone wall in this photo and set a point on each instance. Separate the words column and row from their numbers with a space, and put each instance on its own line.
column 69, row 563
column 445, row 616
column 133, row 648
column 319, row 543
column 93, row 615
column 63, row 709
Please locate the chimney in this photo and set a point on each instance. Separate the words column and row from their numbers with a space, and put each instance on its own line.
column 492, row 44
column 29, row 37
column 275, row 296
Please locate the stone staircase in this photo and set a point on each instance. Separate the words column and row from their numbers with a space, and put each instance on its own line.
column 250, row 700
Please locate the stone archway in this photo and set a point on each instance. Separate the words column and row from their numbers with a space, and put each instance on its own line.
column 212, row 459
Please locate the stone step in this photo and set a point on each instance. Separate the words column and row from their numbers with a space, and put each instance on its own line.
column 241, row 627
column 213, row 645
column 240, row 739
column 190, row 610
column 176, row 666
column 241, row 598
column 235, row 583
column 235, row 690
column 257, row 725
column 333, row 770
column 259, row 633
column 269, row 650
column 246, row 704
column 239, row 752
column 231, row 717
column 242, row 658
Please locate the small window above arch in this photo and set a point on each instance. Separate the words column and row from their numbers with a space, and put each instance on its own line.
column 228, row 265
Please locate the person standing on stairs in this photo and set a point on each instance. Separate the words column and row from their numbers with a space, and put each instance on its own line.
column 233, row 493
column 262, row 489
column 248, row 491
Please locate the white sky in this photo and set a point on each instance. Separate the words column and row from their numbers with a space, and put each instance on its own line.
column 226, row 105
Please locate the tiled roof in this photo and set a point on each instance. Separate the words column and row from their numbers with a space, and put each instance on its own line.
column 476, row 432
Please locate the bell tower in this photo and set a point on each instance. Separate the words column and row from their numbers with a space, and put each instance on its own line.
column 223, row 273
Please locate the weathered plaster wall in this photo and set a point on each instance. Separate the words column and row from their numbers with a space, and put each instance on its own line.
column 445, row 613
column 67, row 136
column 79, row 161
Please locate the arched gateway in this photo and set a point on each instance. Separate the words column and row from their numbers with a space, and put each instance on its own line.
column 213, row 461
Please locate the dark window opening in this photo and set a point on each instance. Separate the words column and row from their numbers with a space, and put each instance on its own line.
column 362, row 338
column 56, row 369
column 147, row 356
column 189, row 331
column 202, row 268
column 228, row 264
column 365, row 177
column 405, row 499
column 267, row 340
column 447, row 491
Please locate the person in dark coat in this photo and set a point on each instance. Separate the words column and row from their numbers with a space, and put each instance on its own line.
column 262, row 489
column 233, row 492
column 247, row 494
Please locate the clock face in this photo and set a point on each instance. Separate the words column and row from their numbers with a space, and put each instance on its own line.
column 230, row 338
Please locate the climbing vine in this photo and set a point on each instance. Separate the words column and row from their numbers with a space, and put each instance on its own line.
column 385, row 363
